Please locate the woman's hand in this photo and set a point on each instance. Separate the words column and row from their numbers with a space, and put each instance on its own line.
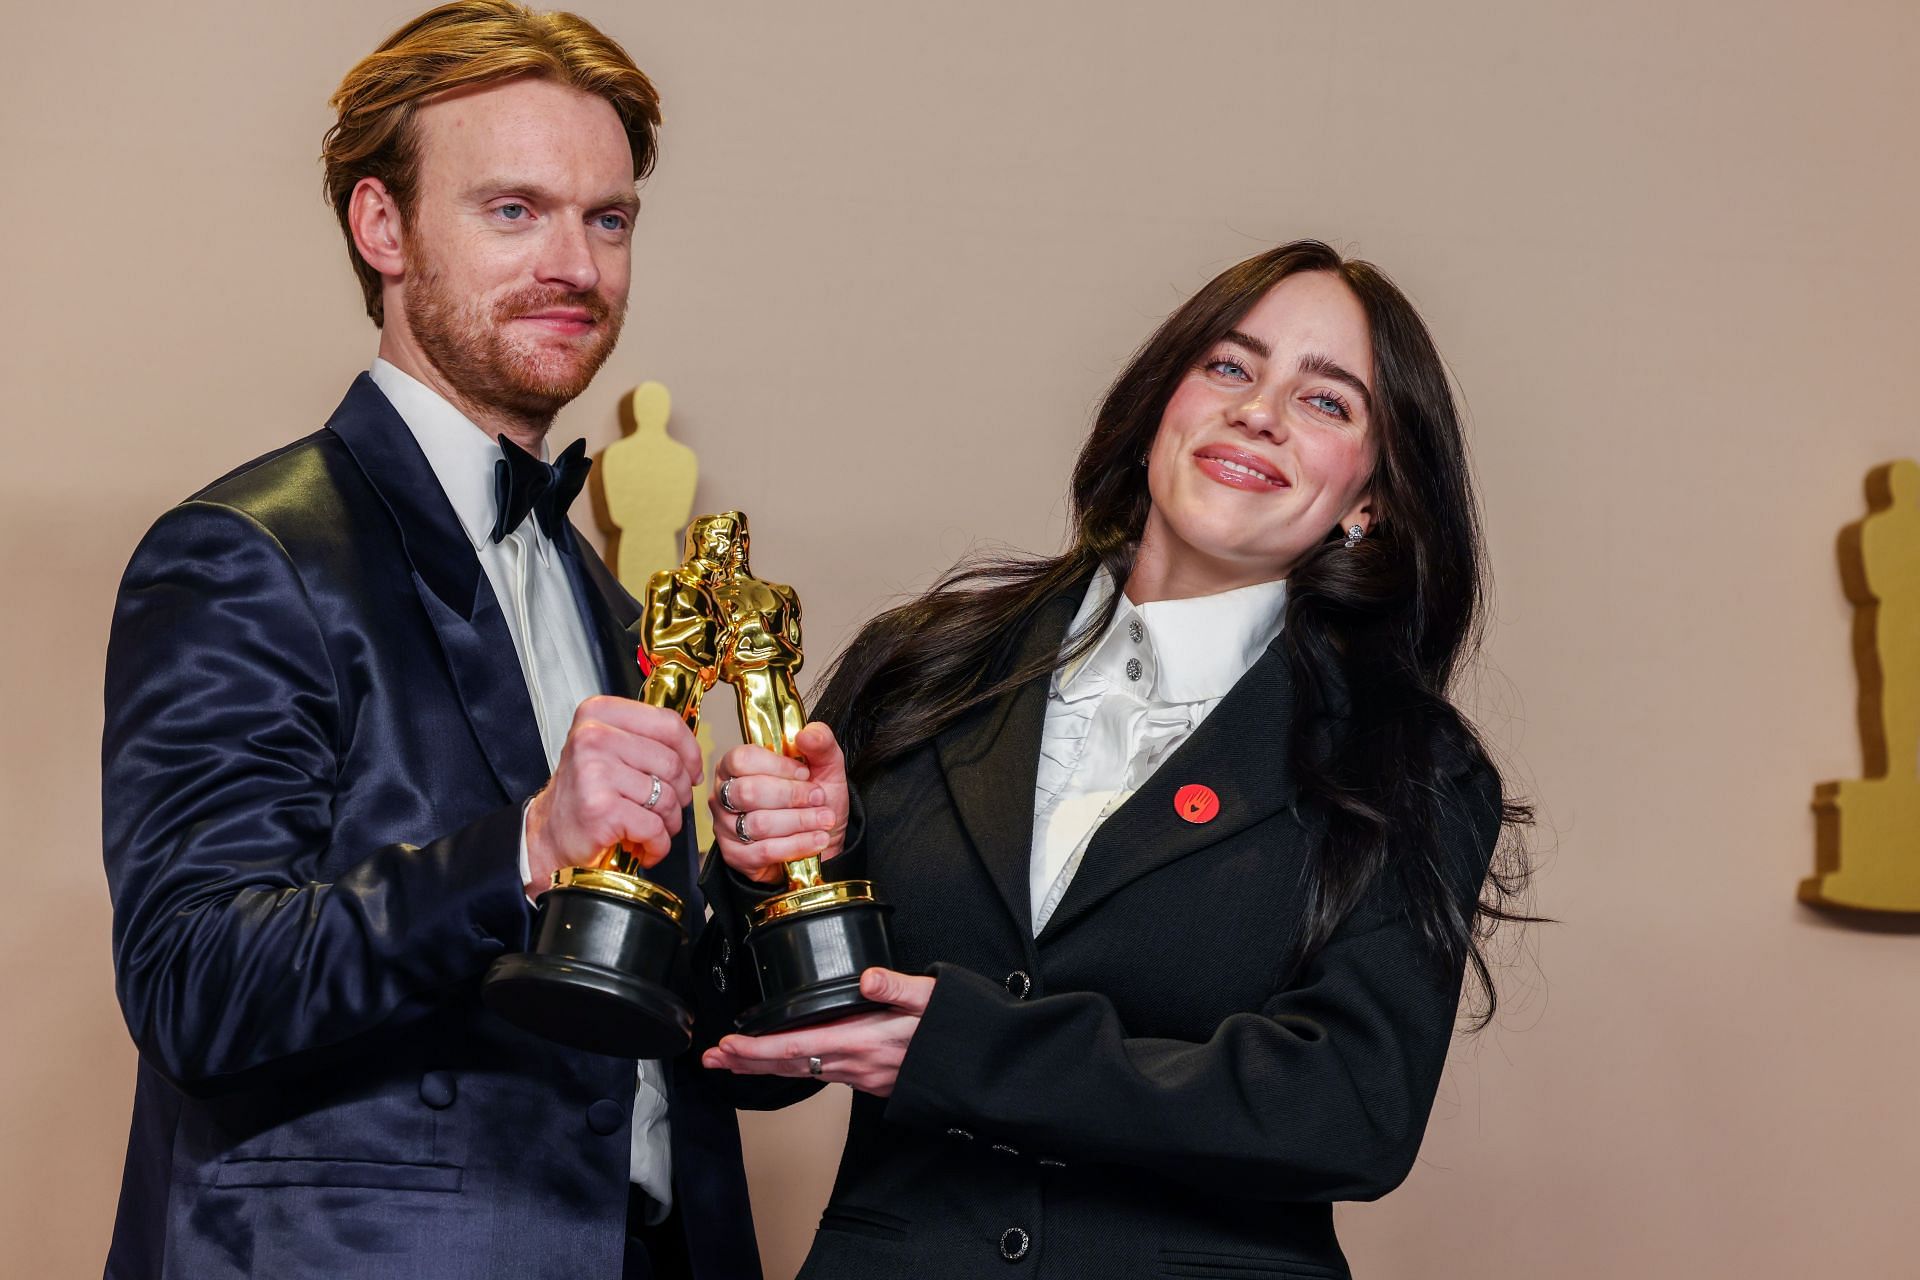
column 789, row 808
column 864, row 1051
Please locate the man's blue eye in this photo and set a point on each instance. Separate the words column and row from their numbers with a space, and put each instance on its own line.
column 612, row 221
column 512, row 212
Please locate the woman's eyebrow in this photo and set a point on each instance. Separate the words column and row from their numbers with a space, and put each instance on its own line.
column 1248, row 341
column 1328, row 367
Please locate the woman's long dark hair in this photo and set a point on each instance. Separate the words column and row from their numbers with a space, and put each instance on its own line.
column 1374, row 635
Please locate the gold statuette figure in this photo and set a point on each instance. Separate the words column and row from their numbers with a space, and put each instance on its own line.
column 711, row 620
column 1868, row 829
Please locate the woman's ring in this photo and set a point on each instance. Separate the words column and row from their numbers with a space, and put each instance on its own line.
column 813, row 1067
column 726, row 796
column 653, row 796
column 740, row 829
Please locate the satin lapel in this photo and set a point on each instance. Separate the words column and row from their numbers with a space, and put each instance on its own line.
column 991, row 758
column 608, row 611
column 466, row 618
column 1239, row 750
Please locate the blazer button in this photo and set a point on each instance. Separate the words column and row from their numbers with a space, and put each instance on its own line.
column 1019, row 984
column 1013, row 1244
column 1002, row 1149
column 720, row 977
column 726, row 953
column 605, row 1117
column 437, row 1089
column 960, row 1134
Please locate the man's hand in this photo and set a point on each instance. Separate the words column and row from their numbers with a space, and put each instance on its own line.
column 598, row 794
column 864, row 1051
column 790, row 808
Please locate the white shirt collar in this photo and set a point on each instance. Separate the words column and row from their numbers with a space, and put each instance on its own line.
column 460, row 453
column 1191, row 650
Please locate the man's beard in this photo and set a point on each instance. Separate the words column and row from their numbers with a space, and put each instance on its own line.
column 469, row 343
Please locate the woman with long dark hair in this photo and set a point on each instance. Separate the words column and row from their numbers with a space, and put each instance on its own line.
column 1189, row 849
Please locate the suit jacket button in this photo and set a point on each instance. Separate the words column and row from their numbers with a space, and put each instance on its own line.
column 726, row 951
column 720, row 977
column 1013, row 1244
column 1019, row 984
column 437, row 1089
column 960, row 1134
column 606, row 1116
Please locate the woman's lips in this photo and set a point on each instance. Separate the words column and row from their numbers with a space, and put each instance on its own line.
column 1239, row 470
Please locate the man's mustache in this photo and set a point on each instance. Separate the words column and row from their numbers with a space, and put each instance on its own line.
column 532, row 301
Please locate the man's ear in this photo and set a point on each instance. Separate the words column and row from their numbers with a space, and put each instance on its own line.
column 378, row 233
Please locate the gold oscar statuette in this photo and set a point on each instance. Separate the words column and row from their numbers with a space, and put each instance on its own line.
column 1867, row 829
column 710, row 620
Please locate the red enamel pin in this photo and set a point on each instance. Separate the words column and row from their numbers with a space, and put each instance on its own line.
column 1196, row 803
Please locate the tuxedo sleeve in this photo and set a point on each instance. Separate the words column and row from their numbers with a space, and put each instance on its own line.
column 1322, row 1094
column 224, row 735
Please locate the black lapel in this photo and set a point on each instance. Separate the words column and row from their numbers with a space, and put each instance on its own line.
column 992, row 755
column 1239, row 750
column 607, row 610
column 447, row 575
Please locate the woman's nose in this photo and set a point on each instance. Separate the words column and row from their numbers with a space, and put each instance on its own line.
column 1254, row 414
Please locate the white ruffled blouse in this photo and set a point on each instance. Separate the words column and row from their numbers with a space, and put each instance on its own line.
column 1126, row 705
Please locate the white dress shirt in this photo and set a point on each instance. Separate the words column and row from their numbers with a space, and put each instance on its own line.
column 549, row 638
column 1118, row 712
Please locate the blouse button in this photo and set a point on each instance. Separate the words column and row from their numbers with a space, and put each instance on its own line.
column 1134, row 668
column 1135, row 631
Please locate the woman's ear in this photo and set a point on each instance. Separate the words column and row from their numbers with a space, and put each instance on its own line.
column 1360, row 513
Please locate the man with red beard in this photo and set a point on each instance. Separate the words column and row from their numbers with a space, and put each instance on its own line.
column 361, row 704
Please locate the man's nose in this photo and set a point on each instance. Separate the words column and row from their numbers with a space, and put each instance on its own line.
column 566, row 257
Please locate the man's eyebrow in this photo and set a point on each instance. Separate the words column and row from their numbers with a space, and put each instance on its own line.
column 625, row 200
column 1328, row 367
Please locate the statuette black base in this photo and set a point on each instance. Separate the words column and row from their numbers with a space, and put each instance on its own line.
column 595, row 977
column 810, row 964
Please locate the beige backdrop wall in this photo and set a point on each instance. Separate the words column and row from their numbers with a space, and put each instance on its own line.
column 891, row 256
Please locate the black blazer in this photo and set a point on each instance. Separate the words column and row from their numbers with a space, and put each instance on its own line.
column 1142, row 1090
column 318, row 742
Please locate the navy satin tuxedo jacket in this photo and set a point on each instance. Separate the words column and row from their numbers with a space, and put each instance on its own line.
column 318, row 742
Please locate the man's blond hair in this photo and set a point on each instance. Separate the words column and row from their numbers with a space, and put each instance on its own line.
column 455, row 46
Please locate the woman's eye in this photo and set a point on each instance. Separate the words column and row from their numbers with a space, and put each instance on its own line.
column 1228, row 369
column 512, row 212
column 1329, row 404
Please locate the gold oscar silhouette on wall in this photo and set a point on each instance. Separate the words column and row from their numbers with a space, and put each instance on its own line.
column 1868, row 829
column 647, row 480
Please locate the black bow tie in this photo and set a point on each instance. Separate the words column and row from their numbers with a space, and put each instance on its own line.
column 522, row 483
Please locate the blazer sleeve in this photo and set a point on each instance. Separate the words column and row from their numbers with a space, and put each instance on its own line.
column 1322, row 1094
column 222, row 746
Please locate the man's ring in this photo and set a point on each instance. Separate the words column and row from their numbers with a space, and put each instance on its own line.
column 813, row 1067
column 726, row 796
column 740, row 829
column 653, row 796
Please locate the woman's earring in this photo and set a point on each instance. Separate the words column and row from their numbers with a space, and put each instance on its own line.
column 1354, row 534
column 1143, row 459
